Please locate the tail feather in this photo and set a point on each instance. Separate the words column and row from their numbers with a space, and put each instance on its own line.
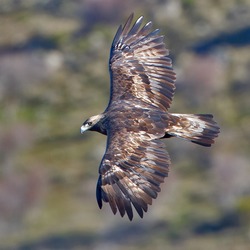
column 199, row 128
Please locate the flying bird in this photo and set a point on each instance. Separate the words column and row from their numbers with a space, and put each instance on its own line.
column 136, row 120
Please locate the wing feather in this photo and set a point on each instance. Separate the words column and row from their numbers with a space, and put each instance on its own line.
column 140, row 67
column 131, row 172
column 136, row 26
column 127, row 25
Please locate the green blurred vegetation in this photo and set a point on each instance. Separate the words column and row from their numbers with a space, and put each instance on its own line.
column 54, row 74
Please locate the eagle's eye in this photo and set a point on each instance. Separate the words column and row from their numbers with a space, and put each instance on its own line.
column 89, row 123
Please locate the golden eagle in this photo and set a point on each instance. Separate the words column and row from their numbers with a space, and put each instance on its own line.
column 142, row 87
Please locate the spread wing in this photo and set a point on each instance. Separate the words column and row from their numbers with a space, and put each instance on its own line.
column 140, row 67
column 131, row 172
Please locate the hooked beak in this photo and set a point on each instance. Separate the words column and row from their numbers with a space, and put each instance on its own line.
column 84, row 128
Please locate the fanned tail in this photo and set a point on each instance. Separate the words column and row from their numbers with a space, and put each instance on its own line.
column 199, row 128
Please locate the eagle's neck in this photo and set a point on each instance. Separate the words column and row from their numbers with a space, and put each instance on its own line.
column 100, row 125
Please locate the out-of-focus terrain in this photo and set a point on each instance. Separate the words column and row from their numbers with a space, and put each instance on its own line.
column 54, row 74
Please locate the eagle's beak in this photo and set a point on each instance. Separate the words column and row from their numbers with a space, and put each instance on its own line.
column 84, row 128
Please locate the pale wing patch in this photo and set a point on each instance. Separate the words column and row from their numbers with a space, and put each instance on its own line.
column 199, row 128
column 189, row 123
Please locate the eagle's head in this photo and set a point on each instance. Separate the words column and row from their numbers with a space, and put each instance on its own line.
column 91, row 123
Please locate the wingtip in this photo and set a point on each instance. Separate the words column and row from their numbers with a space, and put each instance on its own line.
column 99, row 202
column 99, row 193
column 128, row 23
column 139, row 19
column 129, row 20
column 122, row 29
column 131, row 16
column 130, row 216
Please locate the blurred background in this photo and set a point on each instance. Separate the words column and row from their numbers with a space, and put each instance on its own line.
column 54, row 75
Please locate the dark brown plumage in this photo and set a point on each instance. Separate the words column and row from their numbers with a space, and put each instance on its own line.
column 142, row 87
